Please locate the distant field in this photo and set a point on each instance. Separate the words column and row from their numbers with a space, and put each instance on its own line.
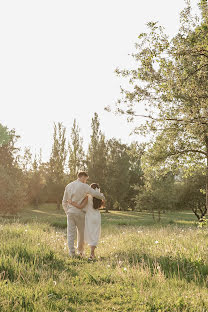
column 48, row 213
column 141, row 266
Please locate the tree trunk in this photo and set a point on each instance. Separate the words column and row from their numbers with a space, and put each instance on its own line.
column 159, row 215
column 153, row 214
column 207, row 184
column 206, row 139
column 58, row 205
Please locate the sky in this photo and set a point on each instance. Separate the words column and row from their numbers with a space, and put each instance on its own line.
column 57, row 63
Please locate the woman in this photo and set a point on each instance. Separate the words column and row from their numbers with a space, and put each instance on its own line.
column 92, row 219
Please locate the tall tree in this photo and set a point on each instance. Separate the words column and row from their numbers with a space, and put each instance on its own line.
column 97, row 153
column 12, row 181
column 118, row 175
column 56, row 176
column 171, row 79
column 76, row 152
column 135, row 152
column 37, row 182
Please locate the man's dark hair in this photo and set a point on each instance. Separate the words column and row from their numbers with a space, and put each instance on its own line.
column 82, row 174
column 97, row 203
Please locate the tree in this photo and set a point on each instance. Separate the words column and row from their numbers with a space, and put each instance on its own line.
column 96, row 156
column 158, row 193
column 37, row 182
column 56, row 178
column 135, row 152
column 118, row 173
column 171, row 79
column 12, row 183
column 5, row 136
column 76, row 152
column 191, row 194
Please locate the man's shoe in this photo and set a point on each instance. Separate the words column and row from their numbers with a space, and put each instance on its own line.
column 80, row 254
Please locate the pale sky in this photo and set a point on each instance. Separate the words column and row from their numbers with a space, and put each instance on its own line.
column 57, row 62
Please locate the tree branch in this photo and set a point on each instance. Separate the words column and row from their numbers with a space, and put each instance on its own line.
column 188, row 151
column 198, row 69
column 171, row 119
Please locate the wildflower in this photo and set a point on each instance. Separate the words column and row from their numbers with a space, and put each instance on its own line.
column 156, row 242
column 25, row 230
column 108, row 266
column 125, row 269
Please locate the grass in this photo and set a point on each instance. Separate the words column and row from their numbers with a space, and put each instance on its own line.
column 141, row 266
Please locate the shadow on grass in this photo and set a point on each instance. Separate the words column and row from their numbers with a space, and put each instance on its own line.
column 181, row 268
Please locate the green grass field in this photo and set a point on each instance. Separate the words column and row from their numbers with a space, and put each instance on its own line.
column 141, row 266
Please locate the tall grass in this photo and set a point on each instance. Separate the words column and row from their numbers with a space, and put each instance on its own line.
column 141, row 266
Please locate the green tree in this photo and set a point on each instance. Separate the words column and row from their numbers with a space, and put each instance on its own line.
column 157, row 194
column 96, row 156
column 171, row 79
column 135, row 152
column 56, row 178
column 76, row 152
column 118, row 173
column 191, row 194
column 37, row 183
column 12, row 182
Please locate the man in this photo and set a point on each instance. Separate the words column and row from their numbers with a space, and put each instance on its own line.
column 76, row 192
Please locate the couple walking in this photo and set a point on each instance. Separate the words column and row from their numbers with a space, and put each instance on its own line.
column 81, row 204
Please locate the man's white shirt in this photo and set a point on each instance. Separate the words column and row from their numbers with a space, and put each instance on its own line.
column 76, row 191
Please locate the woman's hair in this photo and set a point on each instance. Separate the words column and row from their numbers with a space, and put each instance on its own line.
column 97, row 203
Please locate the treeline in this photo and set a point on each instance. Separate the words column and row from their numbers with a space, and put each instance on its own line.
column 125, row 173
column 28, row 180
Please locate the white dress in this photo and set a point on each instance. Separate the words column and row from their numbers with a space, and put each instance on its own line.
column 92, row 223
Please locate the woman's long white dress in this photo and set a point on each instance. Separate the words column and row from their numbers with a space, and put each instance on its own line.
column 92, row 223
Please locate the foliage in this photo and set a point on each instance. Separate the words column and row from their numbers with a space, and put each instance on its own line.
column 97, row 155
column 158, row 193
column 76, row 152
column 56, row 178
column 170, row 78
column 12, row 182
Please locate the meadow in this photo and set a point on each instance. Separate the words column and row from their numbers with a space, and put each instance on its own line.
column 141, row 265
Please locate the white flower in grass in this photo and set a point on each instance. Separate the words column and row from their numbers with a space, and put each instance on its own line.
column 125, row 269
column 108, row 266
column 25, row 230
column 156, row 242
